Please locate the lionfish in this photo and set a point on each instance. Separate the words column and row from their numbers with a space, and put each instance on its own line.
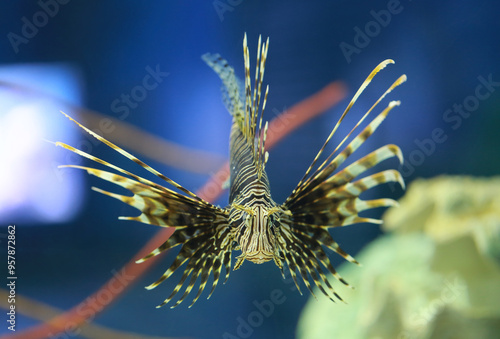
column 294, row 233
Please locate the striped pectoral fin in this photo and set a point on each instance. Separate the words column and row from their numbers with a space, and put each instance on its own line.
column 363, row 135
column 302, row 268
column 186, row 253
column 112, row 177
column 204, row 249
column 308, row 259
column 201, row 230
column 286, row 244
column 182, row 257
column 360, row 166
column 292, row 267
column 330, row 207
column 341, row 211
column 216, row 268
column 356, row 188
column 201, row 267
column 341, row 207
column 227, row 264
column 178, row 262
column 159, row 206
column 179, row 237
column 324, row 172
column 323, row 238
column 360, row 205
column 142, row 187
column 156, row 212
column 323, row 199
column 335, row 202
column 134, row 186
column 128, row 156
column 187, row 272
column 347, row 210
column 305, row 254
column 204, row 274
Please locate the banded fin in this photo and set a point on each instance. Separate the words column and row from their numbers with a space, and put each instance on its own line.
column 202, row 229
column 324, row 199
column 246, row 104
column 319, row 180
column 127, row 155
column 232, row 87
column 367, row 81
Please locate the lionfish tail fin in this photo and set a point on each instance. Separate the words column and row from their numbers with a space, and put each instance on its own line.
column 232, row 87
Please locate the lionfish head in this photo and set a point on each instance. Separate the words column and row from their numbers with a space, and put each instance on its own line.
column 257, row 235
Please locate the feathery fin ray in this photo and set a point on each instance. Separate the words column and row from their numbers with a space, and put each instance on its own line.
column 322, row 199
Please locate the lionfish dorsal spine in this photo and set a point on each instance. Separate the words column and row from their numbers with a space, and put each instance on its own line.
column 251, row 126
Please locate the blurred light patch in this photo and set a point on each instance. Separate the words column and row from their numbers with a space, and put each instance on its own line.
column 34, row 190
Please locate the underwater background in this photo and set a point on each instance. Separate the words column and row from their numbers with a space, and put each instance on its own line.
column 95, row 54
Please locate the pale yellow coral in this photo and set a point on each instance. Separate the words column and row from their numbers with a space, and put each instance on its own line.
column 448, row 207
column 436, row 276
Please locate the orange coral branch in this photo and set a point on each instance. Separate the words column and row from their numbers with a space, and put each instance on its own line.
column 87, row 310
column 42, row 312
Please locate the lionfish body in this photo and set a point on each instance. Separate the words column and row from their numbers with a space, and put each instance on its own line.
column 294, row 233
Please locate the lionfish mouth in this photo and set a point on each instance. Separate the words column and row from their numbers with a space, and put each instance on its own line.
column 259, row 257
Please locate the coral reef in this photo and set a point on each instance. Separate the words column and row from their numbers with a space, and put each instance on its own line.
column 435, row 275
